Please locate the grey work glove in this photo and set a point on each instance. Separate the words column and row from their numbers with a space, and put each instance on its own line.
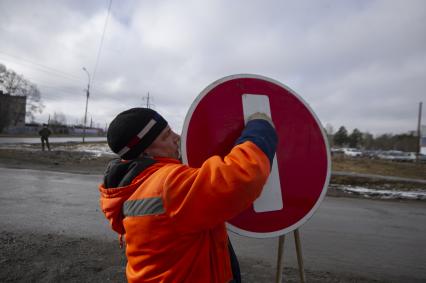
column 262, row 116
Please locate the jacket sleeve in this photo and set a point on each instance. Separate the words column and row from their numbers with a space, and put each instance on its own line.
column 261, row 133
column 222, row 188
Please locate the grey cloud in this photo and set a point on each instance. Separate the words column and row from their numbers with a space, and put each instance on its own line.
column 357, row 63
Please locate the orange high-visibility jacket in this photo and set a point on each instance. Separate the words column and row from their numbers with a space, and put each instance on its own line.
column 173, row 216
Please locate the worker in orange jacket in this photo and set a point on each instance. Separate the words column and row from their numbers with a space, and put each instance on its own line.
column 172, row 215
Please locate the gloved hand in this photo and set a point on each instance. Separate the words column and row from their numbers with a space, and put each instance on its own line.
column 260, row 115
column 260, row 130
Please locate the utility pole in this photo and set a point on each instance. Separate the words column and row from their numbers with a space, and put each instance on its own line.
column 148, row 104
column 87, row 102
column 419, row 134
column 147, row 101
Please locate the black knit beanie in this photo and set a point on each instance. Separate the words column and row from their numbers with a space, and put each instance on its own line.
column 133, row 130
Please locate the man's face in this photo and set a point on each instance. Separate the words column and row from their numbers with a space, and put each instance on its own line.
column 165, row 145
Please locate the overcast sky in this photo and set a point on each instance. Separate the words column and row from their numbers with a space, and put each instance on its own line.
column 357, row 63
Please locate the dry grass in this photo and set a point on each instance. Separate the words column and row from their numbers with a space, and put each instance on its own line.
column 380, row 167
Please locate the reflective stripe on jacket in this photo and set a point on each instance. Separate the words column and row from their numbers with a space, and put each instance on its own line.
column 174, row 215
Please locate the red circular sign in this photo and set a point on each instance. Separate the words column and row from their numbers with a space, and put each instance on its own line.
column 214, row 122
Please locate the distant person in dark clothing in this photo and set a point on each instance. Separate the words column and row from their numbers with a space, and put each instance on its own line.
column 44, row 136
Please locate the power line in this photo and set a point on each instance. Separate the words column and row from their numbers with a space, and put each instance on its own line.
column 47, row 69
column 41, row 67
column 66, row 89
column 55, row 90
column 60, row 93
column 98, row 55
column 37, row 83
column 44, row 85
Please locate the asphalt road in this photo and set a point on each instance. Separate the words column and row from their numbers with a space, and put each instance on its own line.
column 382, row 240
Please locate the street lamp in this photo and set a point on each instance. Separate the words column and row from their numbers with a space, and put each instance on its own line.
column 87, row 101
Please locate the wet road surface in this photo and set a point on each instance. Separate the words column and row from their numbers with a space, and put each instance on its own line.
column 383, row 240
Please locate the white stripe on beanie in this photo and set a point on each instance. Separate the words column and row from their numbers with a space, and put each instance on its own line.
column 140, row 135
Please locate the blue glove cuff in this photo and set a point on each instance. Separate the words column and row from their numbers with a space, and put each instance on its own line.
column 261, row 133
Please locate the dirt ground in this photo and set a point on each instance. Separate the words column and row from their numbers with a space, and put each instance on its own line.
column 57, row 258
column 55, row 160
column 31, row 257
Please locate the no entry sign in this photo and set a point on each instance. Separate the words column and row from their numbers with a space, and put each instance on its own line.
column 301, row 169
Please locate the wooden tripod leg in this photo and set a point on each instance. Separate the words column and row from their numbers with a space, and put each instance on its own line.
column 280, row 262
column 299, row 255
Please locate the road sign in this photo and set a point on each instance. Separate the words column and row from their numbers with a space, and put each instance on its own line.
column 301, row 169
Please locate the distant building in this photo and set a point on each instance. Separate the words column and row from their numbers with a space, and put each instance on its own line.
column 423, row 140
column 12, row 109
column 77, row 130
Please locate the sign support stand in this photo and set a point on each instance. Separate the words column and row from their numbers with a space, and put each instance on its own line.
column 280, row 262
column 299, row 255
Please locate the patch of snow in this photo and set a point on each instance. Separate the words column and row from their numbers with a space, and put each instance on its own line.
column 419, row 194
column 95, row 149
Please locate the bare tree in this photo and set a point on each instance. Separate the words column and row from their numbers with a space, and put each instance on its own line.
column 58, row 119
column 329, row 129
column 2, row 70
column 15, row 84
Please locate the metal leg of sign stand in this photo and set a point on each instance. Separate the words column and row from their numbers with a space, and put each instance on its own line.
column 280, row 261
column 299, row 256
